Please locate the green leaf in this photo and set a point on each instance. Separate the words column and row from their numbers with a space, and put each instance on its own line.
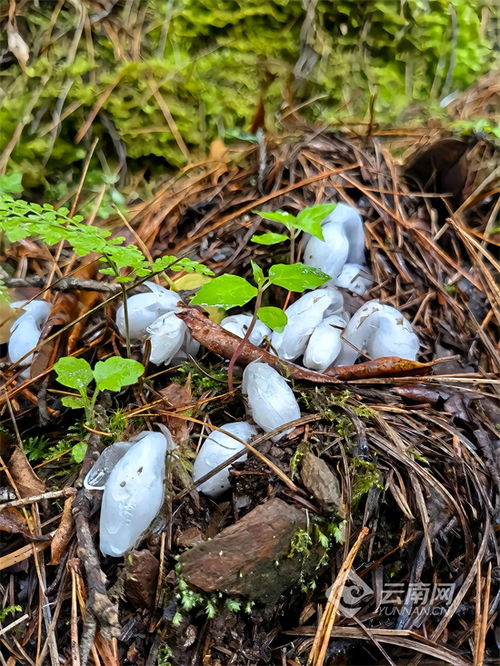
column 11, row 184
column 297, row 277
column 180, row 264
column 275, row 318
column 277, row 216
column 73, row 402
column 78, row 452
column 310, row 219
column 74, row 373
column 226, row 291
column 116, row 372
column 258, row 274
column 269, row 238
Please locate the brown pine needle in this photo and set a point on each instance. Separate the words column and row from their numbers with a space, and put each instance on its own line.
column 322, row 638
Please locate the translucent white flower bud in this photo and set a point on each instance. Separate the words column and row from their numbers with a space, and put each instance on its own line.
column 324, row 344
column 270, row 400
column 351, row 221
column 378, row 330
column 217, row 448
column 133, row 493
column 25, row 331
column 328, row 255
column 99, row 472
column 344, row 242
column 167, row 334
column 355, row 278
column 238, row 324
column 303, row 317
column 144, row 309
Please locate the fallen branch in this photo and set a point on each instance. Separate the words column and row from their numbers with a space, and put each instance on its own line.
column 52, row 494
column 64, row 284
column 100, row 610
column 222, row 342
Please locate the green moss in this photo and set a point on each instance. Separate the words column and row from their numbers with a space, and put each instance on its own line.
column 365, row 475
column 210, row 62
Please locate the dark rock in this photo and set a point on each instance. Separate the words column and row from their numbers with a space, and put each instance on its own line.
column 322, row 483
column 140, row 578
column 190, row 537
column 249, row 558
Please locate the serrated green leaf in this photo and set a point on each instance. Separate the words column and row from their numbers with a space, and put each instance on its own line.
column 276, row 216
column 273, row 317
column 297, row 277
column 258, row 274
column 269, row 238
column 116, row 372
column 73, row 402
column 180, row 264
column 226, row 291
column 74, row 373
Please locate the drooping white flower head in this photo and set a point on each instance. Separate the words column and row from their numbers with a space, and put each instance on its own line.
column 133, row 493
column 325, row 343
column 167, row 335
column 25, row 331
column 378, row 330
column 238, row 325
column 303, row 317
column 217, row 448
column 271, row 402
column 98, row 474
column 344, row 242
column 355, row 278
column 144, row 309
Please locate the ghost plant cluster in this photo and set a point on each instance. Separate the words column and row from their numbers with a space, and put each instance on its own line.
column 317, row 330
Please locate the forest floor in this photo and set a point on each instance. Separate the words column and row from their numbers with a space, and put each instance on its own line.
column 409, row 543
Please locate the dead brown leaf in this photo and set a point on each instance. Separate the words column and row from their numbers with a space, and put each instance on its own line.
column 177, row 396
column 63, row 533
column 27, row 482
column 222, row 342
column 13, row 522
column 8, row 316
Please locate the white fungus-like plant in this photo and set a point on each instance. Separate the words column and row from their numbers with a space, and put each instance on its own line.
column 238, row 325
column 271, row 402
column 355, row 278
column 378, row 330
column 325, row 343
column 144, row 309
column 303, row 317
column 98, row 474
column 344, row 242
column 167, row 335
column 215, row 450
column 25, row 331
column 133, row 493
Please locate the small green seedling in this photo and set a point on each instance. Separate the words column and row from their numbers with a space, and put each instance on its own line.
column 308, row 220
column 229, row 291
column 110, row 375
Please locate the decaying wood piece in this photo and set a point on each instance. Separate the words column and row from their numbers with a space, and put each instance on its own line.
column 100, row 610
column 222, row 342
column 251, row 557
